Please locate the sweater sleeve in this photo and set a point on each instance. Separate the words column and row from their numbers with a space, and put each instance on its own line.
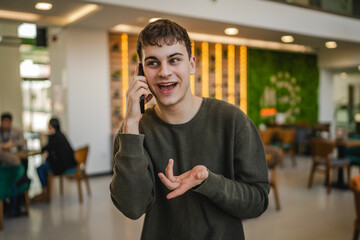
column 132, row 184
column 245, row 196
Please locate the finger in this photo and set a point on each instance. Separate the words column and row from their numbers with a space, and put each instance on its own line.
column 135, row 91
column 169, row 171
column 202, row 175
column 136, row 80
column 136, row 70
column 183, row 188
column 183, row 176
column 169, row 184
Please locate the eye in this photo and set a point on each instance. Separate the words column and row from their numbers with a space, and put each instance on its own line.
column 152, row 63
column 174, row 60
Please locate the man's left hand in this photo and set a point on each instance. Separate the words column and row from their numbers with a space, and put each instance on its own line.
column 182, row 183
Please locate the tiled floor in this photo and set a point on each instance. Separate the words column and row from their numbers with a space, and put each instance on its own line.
column 305, row 214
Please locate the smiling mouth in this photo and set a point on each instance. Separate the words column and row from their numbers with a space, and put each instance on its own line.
column 167, row 87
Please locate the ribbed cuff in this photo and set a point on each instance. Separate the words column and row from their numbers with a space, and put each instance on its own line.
column 131, row 144
column 211, row 186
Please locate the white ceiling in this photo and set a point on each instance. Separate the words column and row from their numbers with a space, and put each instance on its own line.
column 108, row 16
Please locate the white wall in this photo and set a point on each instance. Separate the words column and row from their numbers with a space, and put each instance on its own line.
column 10, row 80
column 89, row 95
column 58, row 76
column 84, row 77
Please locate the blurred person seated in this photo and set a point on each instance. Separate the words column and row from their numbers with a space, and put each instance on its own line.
column 59, row 157
column 11, row 138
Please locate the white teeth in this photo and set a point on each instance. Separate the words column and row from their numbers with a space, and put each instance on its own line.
column 167, row 84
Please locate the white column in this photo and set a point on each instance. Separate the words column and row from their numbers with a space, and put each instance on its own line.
column 10, row 80
column 326, row 99
column 80, row 71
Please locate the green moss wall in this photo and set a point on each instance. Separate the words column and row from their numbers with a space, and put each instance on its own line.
column 286, row 81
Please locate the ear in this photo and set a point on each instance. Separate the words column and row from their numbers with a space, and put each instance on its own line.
column 192, row 65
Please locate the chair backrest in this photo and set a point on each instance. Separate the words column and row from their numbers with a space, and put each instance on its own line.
column 9, row 175
column 287, row 135
column 81, row 155
column 266, row 135
column 321, row 147
column 355, row 187
column 322, row 127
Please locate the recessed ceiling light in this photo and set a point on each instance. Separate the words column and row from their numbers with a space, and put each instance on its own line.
column 153, row 19
column 231, row 31
column 331, row 44
column 343, row 75
column 287, row 39
column 43, row 6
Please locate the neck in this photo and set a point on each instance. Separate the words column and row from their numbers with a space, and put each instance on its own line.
column 181, row 112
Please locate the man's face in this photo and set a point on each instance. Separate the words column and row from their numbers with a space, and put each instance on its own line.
column 6, row 124
column 167, row 70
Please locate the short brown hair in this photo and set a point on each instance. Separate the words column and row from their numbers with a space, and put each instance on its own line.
column 162, row 32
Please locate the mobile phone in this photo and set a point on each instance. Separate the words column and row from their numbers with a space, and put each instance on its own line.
column 142, row 98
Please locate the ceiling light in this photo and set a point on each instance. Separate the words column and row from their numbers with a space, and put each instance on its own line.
column 231, row 31
column 22, row 16
column 82, row 12
column 287, row 39
column 331, row 44
column 43, row 6
column 126, row 28
column 343, row 75
column 153, row 19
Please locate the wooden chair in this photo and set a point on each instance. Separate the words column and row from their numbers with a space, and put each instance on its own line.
column 9, row 177
column 355, row 187
column 321, row 128
column 266, row 135
column 272, row 162
column 321, row 150
column 78, row 173
column 287, row 137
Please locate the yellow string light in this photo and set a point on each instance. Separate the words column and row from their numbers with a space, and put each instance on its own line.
column 205, row 69
column 231, row 74
column 218, row 71
column 192, row 77
column 243, row 79
column 125, row 69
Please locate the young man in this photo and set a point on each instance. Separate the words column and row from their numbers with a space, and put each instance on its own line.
column 195, row 166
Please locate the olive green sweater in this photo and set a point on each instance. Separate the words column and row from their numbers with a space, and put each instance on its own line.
column 220, row 137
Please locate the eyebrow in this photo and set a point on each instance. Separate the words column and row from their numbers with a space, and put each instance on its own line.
column 170, row 56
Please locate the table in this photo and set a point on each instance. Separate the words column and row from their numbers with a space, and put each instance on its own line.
column 23, row 155
column 26, row 154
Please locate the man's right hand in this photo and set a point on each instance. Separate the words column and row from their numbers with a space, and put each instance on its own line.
column 138, row 86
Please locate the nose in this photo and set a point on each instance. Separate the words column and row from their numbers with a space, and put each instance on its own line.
column 165, row 71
